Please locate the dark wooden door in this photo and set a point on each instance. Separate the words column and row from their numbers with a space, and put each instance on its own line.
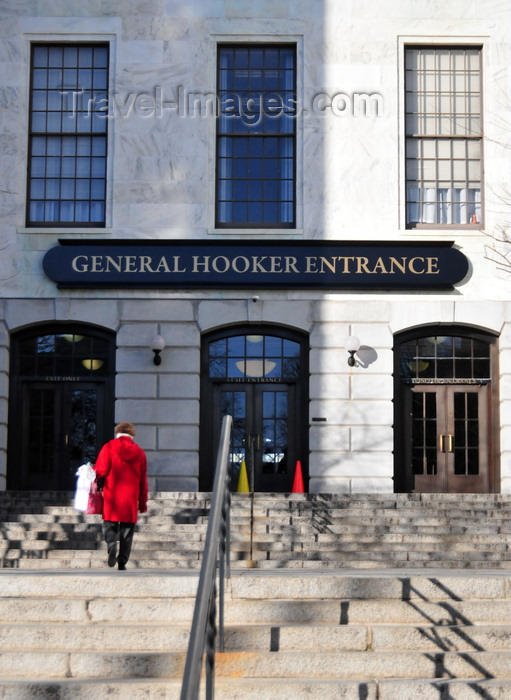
column 60, row 427
column 449, row 438
column 264, row 433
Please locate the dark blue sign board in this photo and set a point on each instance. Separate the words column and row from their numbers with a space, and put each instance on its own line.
column 269, row 264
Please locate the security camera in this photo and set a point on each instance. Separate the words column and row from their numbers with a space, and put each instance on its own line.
column 255, row 298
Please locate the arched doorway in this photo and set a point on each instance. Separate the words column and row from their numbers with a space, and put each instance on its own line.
column 61, row 403
column 446, row 409
column 260, row 377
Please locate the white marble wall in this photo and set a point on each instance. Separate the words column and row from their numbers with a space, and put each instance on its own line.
column 350, row 186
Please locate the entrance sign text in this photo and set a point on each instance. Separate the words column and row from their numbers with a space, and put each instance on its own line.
column 303, row 264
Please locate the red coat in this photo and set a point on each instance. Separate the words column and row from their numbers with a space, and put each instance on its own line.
column 124, row 465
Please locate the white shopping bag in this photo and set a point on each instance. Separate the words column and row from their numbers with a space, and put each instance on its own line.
column 85, row 476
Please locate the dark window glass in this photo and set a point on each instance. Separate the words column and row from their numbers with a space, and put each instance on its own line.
column 466, row 433
column 254, row 356
column 424, row 429
column 67, row 139
column 63, row 355
column 256, row 136
column 445, row 357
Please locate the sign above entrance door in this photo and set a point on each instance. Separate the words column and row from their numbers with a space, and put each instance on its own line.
column 271, row 264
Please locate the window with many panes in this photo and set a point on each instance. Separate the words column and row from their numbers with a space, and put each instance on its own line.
column 67, row 135
column 443, row 136
column 444, row 358
column 242, row 356
column 255, row 157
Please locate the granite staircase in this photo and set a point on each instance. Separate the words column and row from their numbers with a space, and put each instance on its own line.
column 271, row 531
column 379, row 597
column 290, row 635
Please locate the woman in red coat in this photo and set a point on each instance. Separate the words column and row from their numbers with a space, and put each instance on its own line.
column 122, row 468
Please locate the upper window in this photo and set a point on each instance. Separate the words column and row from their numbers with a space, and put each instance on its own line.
column 67, row 135
column 443, row 136
column 255, row 162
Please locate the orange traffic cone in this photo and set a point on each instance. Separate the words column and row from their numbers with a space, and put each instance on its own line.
column 298, row 486
column 243, row 486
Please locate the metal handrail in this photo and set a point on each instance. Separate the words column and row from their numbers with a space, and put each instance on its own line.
column 203, row 635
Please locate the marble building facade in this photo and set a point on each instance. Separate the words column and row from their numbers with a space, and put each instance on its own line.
column 365, row 167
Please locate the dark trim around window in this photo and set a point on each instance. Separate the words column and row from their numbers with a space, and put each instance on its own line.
column 68, row 125
column 256, row 136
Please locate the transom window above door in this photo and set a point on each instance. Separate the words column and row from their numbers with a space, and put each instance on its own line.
column 252, row 356
column 64, row 354
column 255, row 158
column 440, row 358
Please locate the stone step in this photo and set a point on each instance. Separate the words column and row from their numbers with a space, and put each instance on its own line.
column 27, row 530
column 41, row 550
column 366, row 666
column 254, row 560
column 22, row 637
column 263, row 689
column 449, row 592
column 70, row 610
column 283, row 665
column 105, row 637
column 305, row 532
column 449, row 545
column 244, row 564
column 366, row 563
column 90, row 665
column 340, row 517
column 301, row 502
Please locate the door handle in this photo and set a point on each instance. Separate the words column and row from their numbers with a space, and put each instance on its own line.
column 443, row 439
column 255, row 439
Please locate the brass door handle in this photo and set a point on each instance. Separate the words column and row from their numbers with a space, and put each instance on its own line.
column 442, row 442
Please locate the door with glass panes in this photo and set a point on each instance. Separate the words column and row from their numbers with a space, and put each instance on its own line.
column 449, row 436
column 446, row 411
column 263, row 435
column 59, row 424
column 61, row 406
column 260, row 379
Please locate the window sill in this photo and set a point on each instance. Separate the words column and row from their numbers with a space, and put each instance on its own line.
column 257, row 232
column 64, row 230
column 445, row 227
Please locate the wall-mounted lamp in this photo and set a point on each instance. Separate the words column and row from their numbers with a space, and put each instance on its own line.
column 352, row 345
column 157, row 345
